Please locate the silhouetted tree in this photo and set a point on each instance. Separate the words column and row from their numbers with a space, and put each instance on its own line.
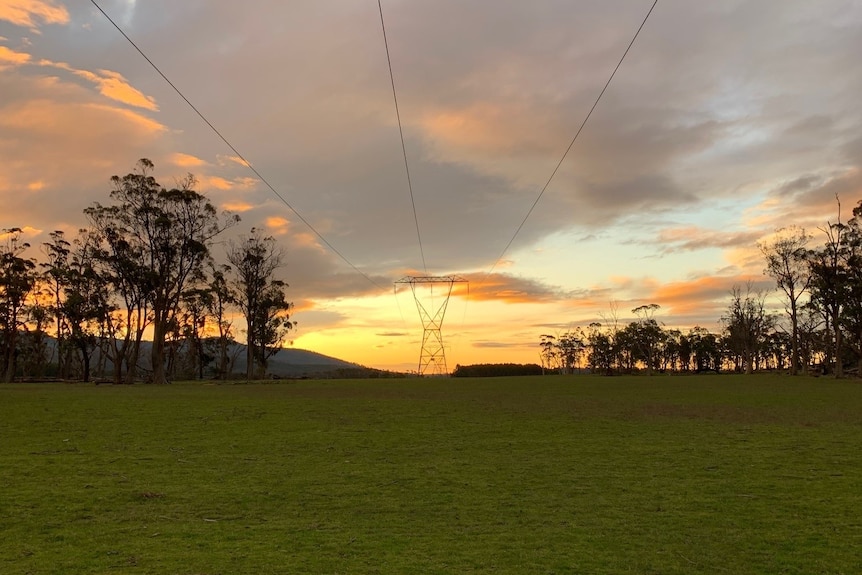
column 17, row 280
column 787, row 263
column 158, row 239
column 260, row 297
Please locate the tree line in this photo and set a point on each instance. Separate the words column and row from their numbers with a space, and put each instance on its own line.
column 145, row 263
column 820, row 330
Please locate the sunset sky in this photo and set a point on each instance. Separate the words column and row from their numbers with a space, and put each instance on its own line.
column 727, row 121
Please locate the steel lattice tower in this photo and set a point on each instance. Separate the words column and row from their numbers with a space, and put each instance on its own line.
column 432, row 358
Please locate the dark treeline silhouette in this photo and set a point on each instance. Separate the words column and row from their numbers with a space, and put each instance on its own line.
column 144, row 264
column 819, row 332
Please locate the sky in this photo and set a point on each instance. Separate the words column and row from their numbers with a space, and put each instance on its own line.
column 726, row 122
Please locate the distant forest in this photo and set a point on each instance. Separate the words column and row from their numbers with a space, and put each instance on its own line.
column 819, row 332
column 143, row 264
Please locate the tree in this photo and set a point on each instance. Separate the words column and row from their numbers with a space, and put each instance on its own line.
column 221, row 298
column 787, row 263
column 17, row 280
column 829, row 288
column 549, row 354
column 746, row 326
column 851, row 321
column 158, row 239
column 602, row 352
column 85, row 306
column 55, row 271
column 648, row 334
column 260, row 297
column 706, row 348
column 571, row 346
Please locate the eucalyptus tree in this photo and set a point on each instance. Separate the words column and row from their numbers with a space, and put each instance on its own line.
column 747, row 325
column 154, row 241
column 829, row 288
column 787, row 262
column 706, row 349
column 55, row 269
column 260, row 296
column 222, row 298
column 602, row 353
column 550, row 354
column 851, row 321
column 648, row 335
column 17, row 280
column 571, row 346
column 85, row 306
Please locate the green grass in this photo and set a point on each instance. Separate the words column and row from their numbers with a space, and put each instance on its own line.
column 524, row 475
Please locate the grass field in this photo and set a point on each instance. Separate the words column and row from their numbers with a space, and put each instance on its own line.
column 713, row 474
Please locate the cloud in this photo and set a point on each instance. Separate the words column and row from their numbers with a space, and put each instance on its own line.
column 237, row 206
column 692, row 238
column 496, row 344
column 60, row 148
column 186, row 160
column 506, row 288
column 11, row 57
column 29, row 13
column 111, row 84
column 702, row 294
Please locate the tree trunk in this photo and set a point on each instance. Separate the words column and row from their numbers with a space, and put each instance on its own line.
column 157, row 356
column 794, row 339
column 249, row 354
column 839, row 341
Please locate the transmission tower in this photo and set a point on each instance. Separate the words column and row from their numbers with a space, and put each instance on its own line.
column 432, row 358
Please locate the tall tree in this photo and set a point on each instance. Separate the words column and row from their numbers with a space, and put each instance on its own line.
column 221, row 299
column 549, row 355
column 852, row 317
column 17, row 280
column 649, row 334
column 787, row 263
column 160, row 239
column 571, row 346
column 829, row 288
column 55, row 270
column 747, row 325
column 260, row 296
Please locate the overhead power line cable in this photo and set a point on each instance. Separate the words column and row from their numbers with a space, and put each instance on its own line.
column 401, row 132
column 572, row 143
column 233, row 149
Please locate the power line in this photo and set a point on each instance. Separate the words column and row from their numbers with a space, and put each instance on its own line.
column 572, row 143
column 401, row 132
column 234, row 150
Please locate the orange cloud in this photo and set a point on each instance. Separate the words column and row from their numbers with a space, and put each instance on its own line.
column 46, row 116
column 147, row 124
column 308, row 240
column 27, row 12
column 238, row 207
column 110, row 84
column 480, row 127
column 186, row 160
column 225, row 159
column 216, row 182
column 278, row 224
column 26, row 232
column 507, row 289
column 694, row 296
column 8, row 56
